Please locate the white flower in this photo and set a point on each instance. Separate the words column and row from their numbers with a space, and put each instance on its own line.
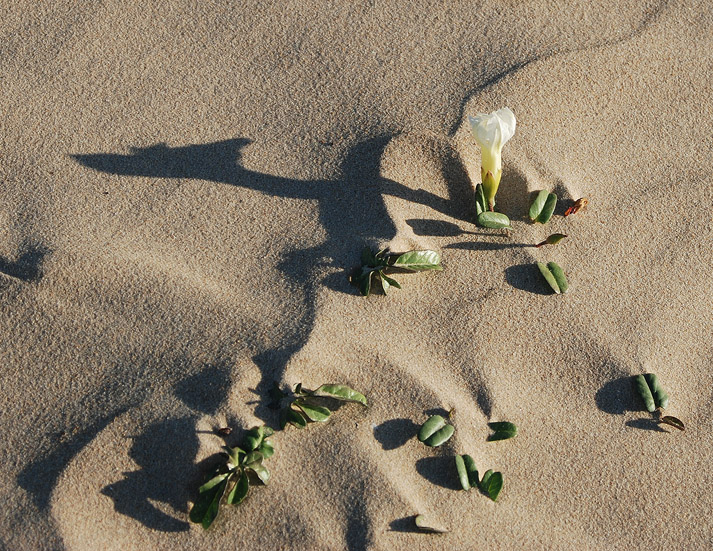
column 492, row 132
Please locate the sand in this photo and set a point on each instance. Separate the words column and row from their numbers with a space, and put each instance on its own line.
column 185, row 187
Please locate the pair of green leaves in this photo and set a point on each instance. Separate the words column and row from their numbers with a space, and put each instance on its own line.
column 655, row 397
column 490, row 484
column 543, row 207
column 435, row 431
column 230, row 478
column 310, row 406
column 502, row 430
column 374, row 267
column 486, row 218
column 554, row 275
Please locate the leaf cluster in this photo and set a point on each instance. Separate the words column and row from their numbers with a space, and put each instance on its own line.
column 230, row 478
column 376, row 266
column 435, row 431
column 655, row 398
column 312, row 406
column 543, row 207
column 554, row 275
column 490, row 484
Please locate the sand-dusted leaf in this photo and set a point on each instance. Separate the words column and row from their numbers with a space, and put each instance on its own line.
column 579, row 204
column 491, row 484
column 312, row 411
column 480, row 204
column 503, row 431
column 462, row 473
column 538, row 204
column 389, row 280
column 559, row 276
column 363, row 281
column 267, row 448
column 433, row 424
column 657, row 391
column 673, row 421
column 471, row 470
column 340, row 392
column 551, row 281
column 548, row 209
column 260, row 470
column 418, row 261
column 644, row 391
column 205, row 509
column 425, row 525
column 440, row 436
column 493, row 220
column 238, row 492
column 552, row 239
column 289, row 415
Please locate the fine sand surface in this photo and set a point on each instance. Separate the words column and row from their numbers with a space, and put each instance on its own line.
column 185, row 185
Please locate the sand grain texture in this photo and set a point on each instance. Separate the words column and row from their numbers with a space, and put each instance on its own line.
column 184, row 189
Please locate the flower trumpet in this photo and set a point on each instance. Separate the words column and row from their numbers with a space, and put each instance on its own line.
column 492, row 132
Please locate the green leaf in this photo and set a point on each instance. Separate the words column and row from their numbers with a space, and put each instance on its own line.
column 289, row 415
column 425, row 526
column 253, row 439
column 440, row 436
column 551, row 281
column 252, row 457
column 267, row 449
column 363, row 281
column 548, row 209
column 419, row 261
column 673, row 421
column 471, row 470
column 260, row 470
column 368, row 258
column 555, row 238
column 340, row 392
column 645, row 392
column 205, row 509
column 213, row 482
column 538, row 204
column 503, row 431
column 657, row 391
column 234, row 454
column 492, row 485
column 433, row 424
column 384, row 284
column 392, row 282
column 486, row 479
column 239, row 491
column 462, row 473
column 312, row 411
column 493, row 220
column 559, row 276
column 480, row 204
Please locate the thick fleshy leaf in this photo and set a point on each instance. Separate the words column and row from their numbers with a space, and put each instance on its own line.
column 559, row 276
column 289, row 415
column 548, row 209
column 673, row 421
column 657, row 391
column 418, row 261
column 267, row 449
column 480, row 204
column 493, row 220
column 237, row 494
column 440, row 436
column 312, row 411
column 205, row 509
column 433, row 424
column 492, row 485
column 363, row 281
column 503, row 431
column 234, row 454
column 471, row 470
column 253, row 439
column 213, row 482
column 644, row 391
column 423, row 524
column 552, row 239
column 538, row 204
column 486, row 479
column 462, row 473
column 340, row 392
column 260, row 470
column 551, row 281
column 389, row 280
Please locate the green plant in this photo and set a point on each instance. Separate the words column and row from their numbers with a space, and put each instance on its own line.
column 230, row 478
column 655, row 398
column 554, row 275
column 490, row 484
column 488, row 218
column 543, row 207
column 376, row 266
column 435, row 431
column 304, row 405
column 503, row 430
column 552, row 239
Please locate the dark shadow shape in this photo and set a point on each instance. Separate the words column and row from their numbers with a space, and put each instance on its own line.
column 564, row 198
column 206, row 390
column 439, row 470
column 484, row 400
column 357, row 533
column 439, row 228
column 646, row 424
column 618, row 396
column 28, row 266
column 405, row 525
column 527, row 277
column 512, row 197
column 483, row 246
column 436, row 411
column 394, row 433
column 165, row 452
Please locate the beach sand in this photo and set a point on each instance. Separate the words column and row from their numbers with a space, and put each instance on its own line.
column 185, row 189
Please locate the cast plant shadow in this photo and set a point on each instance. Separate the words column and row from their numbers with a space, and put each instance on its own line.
column 618, row 397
